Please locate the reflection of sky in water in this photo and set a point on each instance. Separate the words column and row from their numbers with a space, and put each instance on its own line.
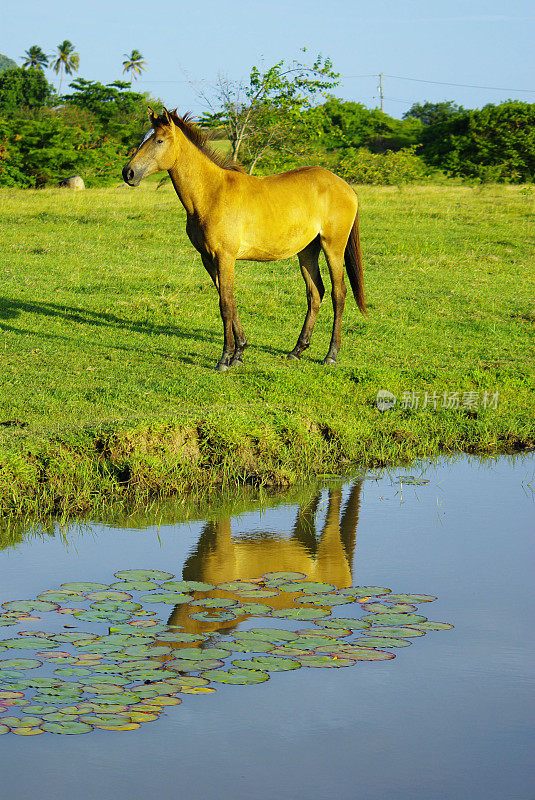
column 448, row 718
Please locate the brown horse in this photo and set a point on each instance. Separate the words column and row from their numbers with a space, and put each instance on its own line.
column 234, row 216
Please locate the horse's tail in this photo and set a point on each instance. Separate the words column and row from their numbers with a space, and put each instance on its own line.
column 353, row 262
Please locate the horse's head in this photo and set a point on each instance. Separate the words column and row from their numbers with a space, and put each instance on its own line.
column 156, row 152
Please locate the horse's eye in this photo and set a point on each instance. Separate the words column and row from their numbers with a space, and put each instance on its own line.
column 159, row 141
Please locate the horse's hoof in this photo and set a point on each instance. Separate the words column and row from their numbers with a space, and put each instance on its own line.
column 329, row 361
column 236, row 361
column 221, row 366
column 292, row 357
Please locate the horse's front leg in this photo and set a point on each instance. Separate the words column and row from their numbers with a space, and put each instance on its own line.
column 232, row 345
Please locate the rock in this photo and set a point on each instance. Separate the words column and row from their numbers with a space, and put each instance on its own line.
column 75, row 182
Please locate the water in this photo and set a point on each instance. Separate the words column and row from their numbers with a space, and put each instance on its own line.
column 450, row 717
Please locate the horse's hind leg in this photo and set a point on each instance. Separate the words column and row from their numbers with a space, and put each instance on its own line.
column 334, row 253
column 308, row 261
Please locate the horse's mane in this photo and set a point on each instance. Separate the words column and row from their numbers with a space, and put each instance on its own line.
column 201, row 140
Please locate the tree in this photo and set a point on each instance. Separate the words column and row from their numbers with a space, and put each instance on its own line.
column 432, row 113
column 134, row 64
column 494, row 143
column 7, row 63
column 268, row 113
column 23, row 89
column 34, row 57
column 67, row 61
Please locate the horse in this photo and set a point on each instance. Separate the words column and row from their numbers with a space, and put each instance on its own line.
column 324, row 555
column 233, row 216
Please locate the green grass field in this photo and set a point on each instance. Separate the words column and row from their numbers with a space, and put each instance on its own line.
column 110, row 328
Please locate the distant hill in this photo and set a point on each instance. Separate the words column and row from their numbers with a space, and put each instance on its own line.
column 6, row 63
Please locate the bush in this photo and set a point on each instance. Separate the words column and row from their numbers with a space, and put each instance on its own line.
column 389, row 169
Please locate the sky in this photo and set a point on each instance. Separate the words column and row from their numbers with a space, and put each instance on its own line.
column 483, row 43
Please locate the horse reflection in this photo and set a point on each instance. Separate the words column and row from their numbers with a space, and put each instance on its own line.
column 326, row 557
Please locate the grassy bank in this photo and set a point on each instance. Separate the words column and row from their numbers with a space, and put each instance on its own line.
column 109, row 331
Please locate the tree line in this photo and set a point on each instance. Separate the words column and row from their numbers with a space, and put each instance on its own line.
column 279, row 118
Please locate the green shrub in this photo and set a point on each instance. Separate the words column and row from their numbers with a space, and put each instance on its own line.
column 390, row 168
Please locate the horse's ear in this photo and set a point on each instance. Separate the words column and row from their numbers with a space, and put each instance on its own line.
column 152, row 115
column 167, row 116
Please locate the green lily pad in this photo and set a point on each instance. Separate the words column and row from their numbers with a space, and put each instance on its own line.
column 251, row 609
column 344, row 623
column 325, row 661
column 214, row 616
column 173, row 598
column 116, row 605
column 149, row 632
column 134, row 586
column 237, row 676
column 103, row 616
column 5, row 621
column 270, row 634
column 20, row 663
column 73, row 636
column 364, row 591
column 69, row 671
column 27, row 643
column 147, row 650
column 193, row 653
column 381, row 608
column 185, row 682
column 84, row 586
column 185, row 665
column 109, row 594
column 259, row 594
column 381, row 641
column 59, row 717
column 143, row 575
column 393, row 619
column 238, row 586
column 395, row 631
column 301, row 613
column 337, row 633
column 324, row 599
column 33, row 709
column 408, row 598
column 179, row 636
column 70, row 727
column 431, row 626
column 308, row 587
column 188, row 586
column 214, row 602
column 29, row 605
column 3, row 729
column 61, row 597
column 358, row 653
column 269, row 663
column 247, row 646
column 21, row 722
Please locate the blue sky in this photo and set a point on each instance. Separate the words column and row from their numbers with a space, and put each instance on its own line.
column 486, row 43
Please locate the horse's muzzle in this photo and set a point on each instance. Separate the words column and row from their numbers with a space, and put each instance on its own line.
column 129, row 176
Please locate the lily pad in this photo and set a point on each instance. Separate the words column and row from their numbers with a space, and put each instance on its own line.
column 134, row 586
column 103, row 616
column 214, row 616
column 70, row 728
column 214, row 602
column 30, row 605
column 393, row 619
column 188, row 586
column 84, row 586
column 184, row 665
column 257, row 593
column 198, row 653
column 143, row 575
column 247, row 646
column 109, row 594
column 408, row 598
column 138, row 632
column 172, row 598
column 324, row 599
column 395, row 631
column 431, row 626
column 381, row 641
column 61, row 597
column 238, row 586
column 20, row 663
column 365, row 591
column 301, row 613
column 285, row 576
column 344, row 623
column 270, row 634
column 69, row 671
column 116, row 605
column 3, row 729
column 236, row 676
column 180, row 636
column 252, row 609
column 326, row 661
column 270, row 663
column 382, row 608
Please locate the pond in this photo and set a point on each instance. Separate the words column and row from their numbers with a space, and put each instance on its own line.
column 439, row 712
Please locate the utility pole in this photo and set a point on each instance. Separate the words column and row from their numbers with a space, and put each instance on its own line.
column 381, row 88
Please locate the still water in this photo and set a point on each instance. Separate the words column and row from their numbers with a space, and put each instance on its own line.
column 450, row 717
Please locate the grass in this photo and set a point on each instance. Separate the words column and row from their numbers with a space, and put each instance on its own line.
column 109, row 331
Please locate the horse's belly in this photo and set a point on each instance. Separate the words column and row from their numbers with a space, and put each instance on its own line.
column 279, row 245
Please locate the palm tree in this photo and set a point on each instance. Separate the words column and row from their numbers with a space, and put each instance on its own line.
column 67, row 61
column 134, row 64
column 34, row 57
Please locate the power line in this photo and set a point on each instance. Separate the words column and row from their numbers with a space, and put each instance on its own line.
column 462, row 85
